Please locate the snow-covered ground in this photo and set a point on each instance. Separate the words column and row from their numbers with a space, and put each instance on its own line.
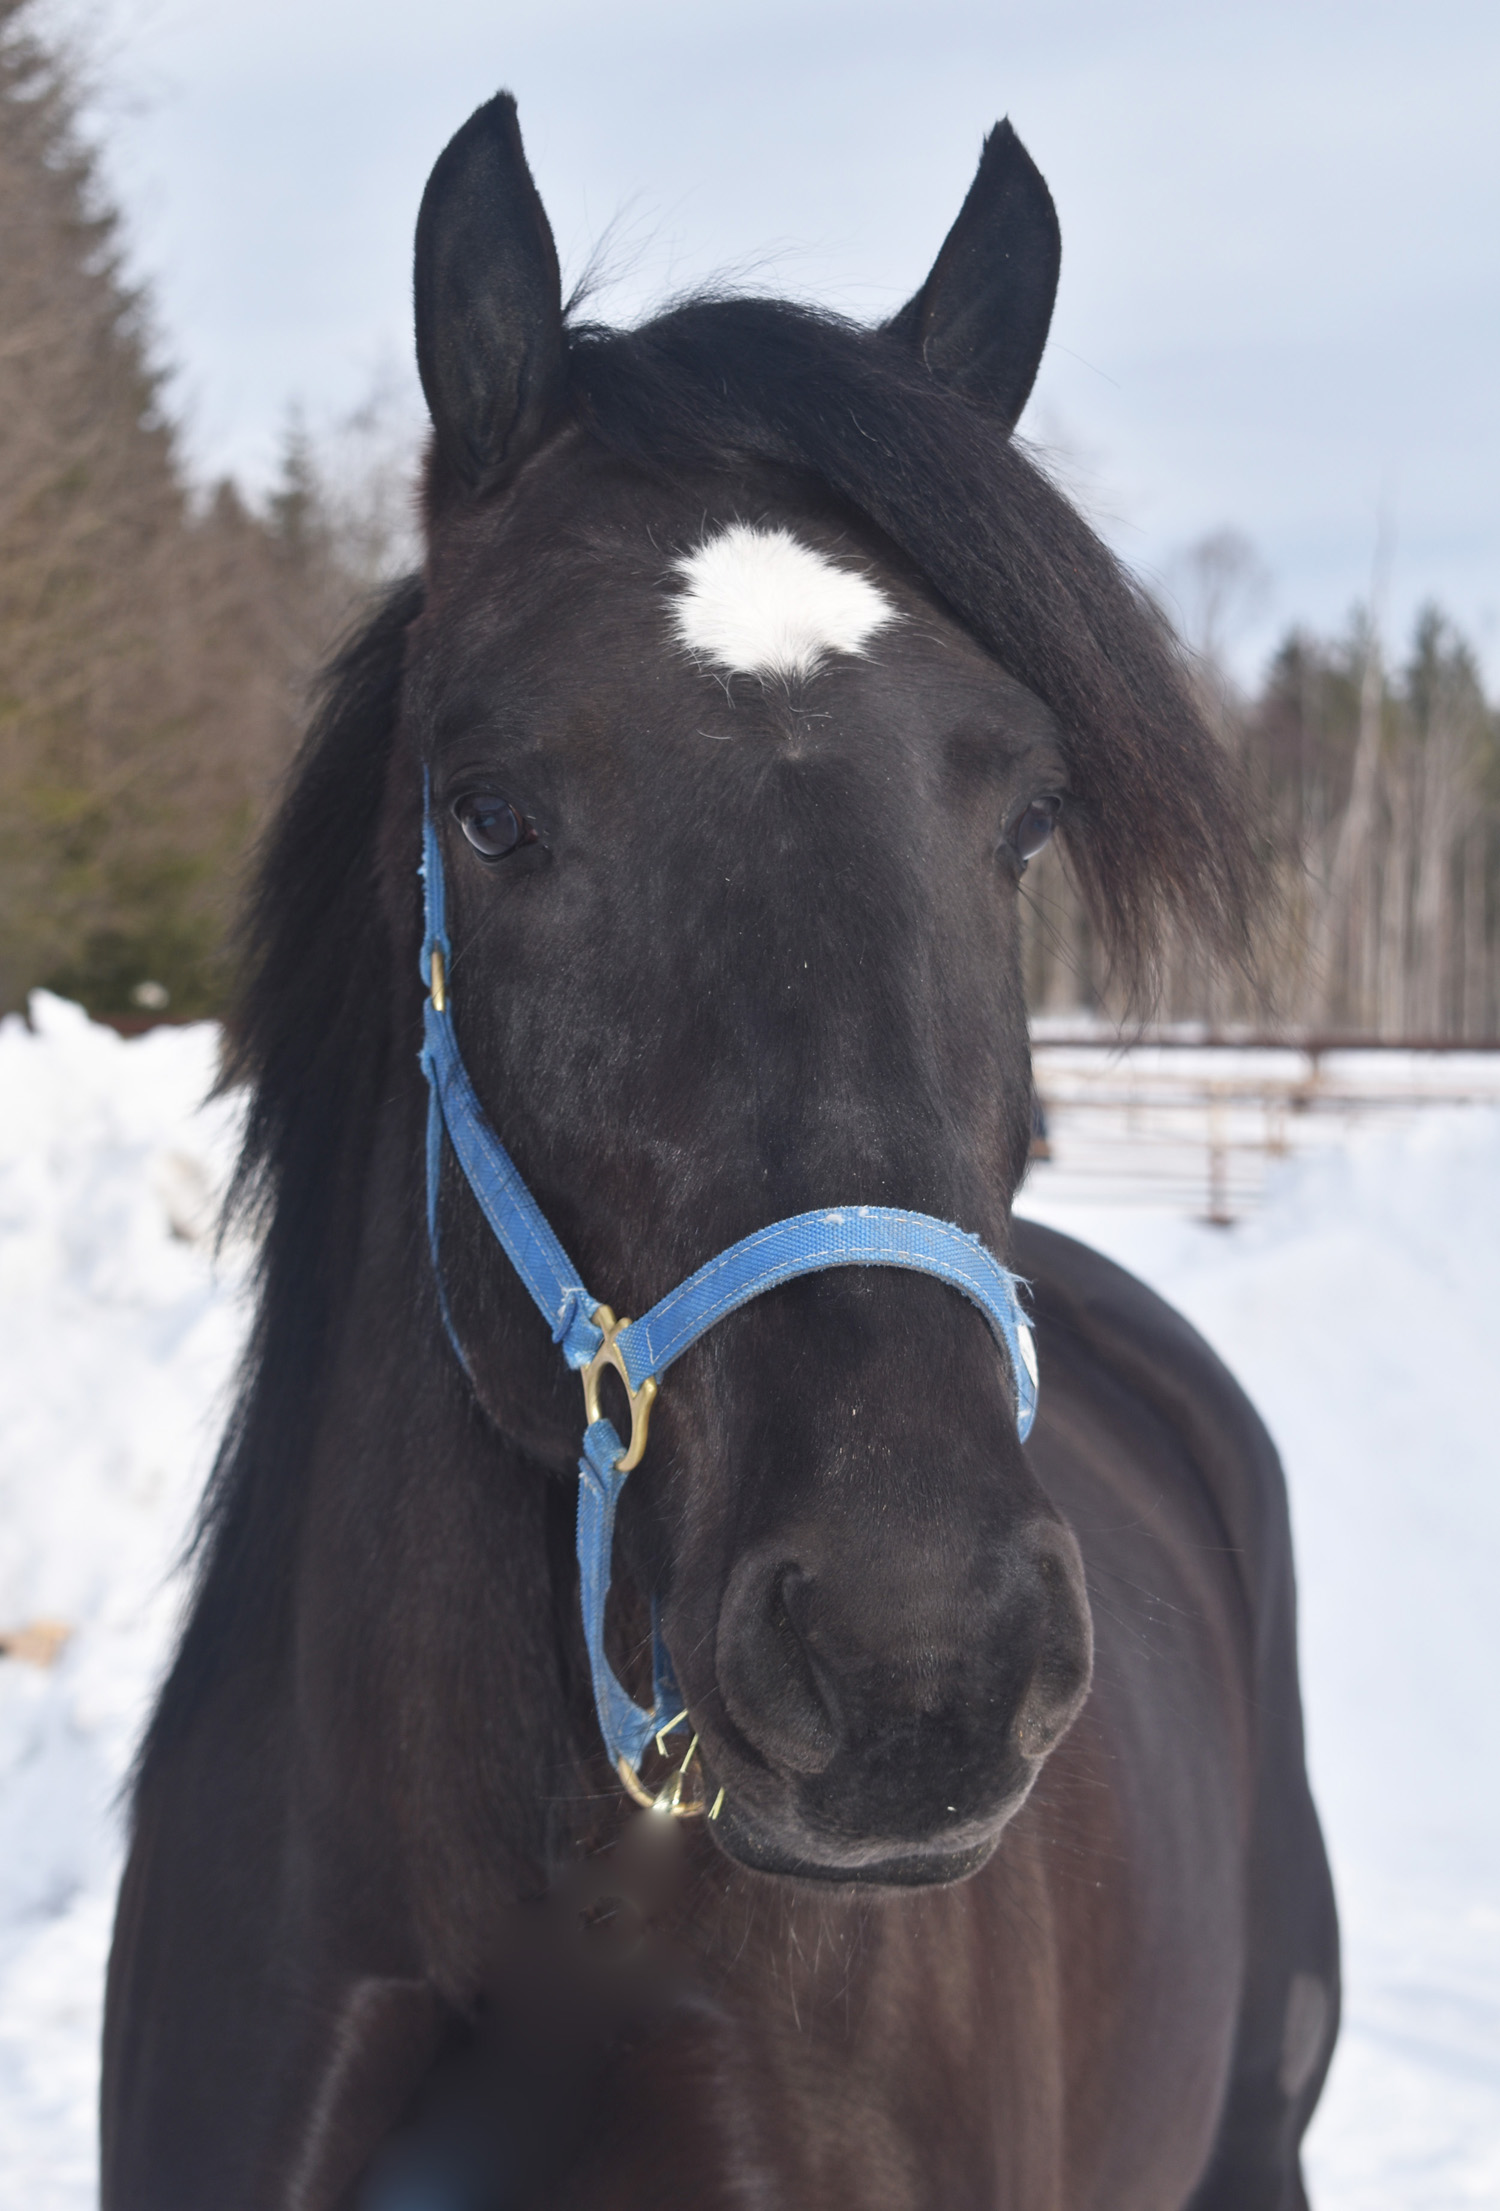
column 1359, row 1303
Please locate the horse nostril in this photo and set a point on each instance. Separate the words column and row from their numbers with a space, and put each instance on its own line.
column 776, row 1693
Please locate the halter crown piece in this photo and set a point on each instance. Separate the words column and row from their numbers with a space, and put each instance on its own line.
column 590, row 1338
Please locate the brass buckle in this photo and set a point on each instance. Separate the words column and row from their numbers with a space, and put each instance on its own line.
column 609, row 1354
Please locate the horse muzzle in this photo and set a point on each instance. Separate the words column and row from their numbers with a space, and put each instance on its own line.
column 882, row 1721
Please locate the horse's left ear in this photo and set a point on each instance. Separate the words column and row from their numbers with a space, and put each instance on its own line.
column 980, row 321
column 489, row 302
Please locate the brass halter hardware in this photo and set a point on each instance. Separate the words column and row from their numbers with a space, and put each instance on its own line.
column 670, row 1800
column 609, row 1354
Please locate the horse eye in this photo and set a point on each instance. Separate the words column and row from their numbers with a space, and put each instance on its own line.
column 492, row 825
column 1035, row 827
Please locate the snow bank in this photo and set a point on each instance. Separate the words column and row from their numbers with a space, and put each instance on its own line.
column 1359, row 1306
column 118, row 1338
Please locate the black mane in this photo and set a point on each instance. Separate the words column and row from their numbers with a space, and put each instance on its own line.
column 309, row 1041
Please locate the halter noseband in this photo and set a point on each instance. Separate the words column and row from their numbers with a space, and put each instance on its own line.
column 590, row 1337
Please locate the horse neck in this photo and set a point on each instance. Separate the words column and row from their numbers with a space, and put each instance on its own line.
column 431, row 1559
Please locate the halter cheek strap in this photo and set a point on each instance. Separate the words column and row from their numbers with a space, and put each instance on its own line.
column 590, row 1338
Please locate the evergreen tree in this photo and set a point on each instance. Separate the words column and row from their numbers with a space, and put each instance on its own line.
column 154, row 653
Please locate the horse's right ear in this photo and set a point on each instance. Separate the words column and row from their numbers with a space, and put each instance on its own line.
column 980, row 321
column 489, row 302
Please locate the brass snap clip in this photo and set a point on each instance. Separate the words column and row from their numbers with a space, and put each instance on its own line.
column 609, row 1354
column 673, row 1801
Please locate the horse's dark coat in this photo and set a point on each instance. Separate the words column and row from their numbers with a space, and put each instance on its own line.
column 387, row 1925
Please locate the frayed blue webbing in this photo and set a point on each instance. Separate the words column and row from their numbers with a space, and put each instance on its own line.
column 625, row 1726
column 506, row 1203
column 838, row 1236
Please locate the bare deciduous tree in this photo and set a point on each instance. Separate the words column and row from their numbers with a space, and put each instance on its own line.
column 1379, row 796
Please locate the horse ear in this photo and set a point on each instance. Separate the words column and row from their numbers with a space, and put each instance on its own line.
column 980, row 321
column 488, row 301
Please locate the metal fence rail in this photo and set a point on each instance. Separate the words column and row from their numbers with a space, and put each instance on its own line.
column 1198, row 1126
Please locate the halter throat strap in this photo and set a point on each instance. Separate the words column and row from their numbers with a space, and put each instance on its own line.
column 589, row 1337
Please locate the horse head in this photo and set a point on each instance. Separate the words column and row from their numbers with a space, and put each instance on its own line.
column 754, row 664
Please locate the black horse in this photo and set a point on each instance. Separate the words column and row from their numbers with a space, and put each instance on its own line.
column 750, row 662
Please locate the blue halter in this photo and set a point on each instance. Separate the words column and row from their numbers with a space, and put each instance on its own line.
column 640, row 1351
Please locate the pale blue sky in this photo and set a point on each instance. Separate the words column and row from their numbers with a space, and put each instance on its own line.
column 1280, row 304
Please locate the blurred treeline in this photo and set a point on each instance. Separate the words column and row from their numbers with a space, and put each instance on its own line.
column 1376, row 787
column 156, row 645
column 155, row 642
